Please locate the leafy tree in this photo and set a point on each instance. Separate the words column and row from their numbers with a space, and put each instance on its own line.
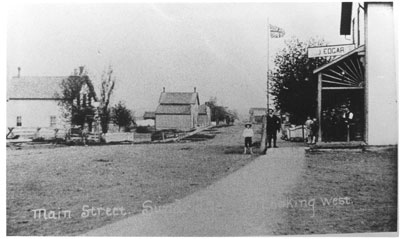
column 219, row 113
column 107, row 87
column 235, row 114
column 232, row 116
column 292, row 84
column 122, row 116
column 76, row 108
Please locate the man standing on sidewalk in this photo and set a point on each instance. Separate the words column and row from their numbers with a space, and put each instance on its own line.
column 273, row 126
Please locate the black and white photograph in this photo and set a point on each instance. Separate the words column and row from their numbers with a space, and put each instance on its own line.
column 201, row 119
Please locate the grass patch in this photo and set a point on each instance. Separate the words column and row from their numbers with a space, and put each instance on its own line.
column 110, row 176
column 367, row 179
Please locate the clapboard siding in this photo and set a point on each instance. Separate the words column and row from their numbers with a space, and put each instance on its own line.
column 182, row 122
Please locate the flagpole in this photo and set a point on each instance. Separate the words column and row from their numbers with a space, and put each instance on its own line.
column 263, row 146
column 268, row 38
column 269, row 35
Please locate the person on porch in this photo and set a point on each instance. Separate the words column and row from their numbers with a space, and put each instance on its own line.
column 308, row 129
column 347, row 118
column 314, row 131
column 333, row 122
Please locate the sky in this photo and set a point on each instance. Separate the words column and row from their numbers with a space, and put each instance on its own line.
column 219, row 48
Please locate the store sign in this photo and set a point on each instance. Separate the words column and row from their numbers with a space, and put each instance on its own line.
column 326, row 51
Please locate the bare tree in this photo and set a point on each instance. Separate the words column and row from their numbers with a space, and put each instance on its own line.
column 107, row 87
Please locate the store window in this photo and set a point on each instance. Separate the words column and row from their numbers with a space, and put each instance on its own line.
column 19, row 121
column 53, row 121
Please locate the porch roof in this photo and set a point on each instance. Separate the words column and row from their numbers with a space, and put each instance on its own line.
column 359, row 51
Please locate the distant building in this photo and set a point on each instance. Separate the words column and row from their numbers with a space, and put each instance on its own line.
column 256, row 114
column 177, row 110
column 204, row 118
column 33, row 101
column 149, row 115
column 148, row 119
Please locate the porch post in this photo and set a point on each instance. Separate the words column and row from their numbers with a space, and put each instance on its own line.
column 319, row 106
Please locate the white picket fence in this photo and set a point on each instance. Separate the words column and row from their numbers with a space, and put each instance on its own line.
column 126, row 137
column 35, row 133
column 18, row 134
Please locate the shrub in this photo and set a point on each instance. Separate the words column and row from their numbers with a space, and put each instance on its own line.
column 142, row 129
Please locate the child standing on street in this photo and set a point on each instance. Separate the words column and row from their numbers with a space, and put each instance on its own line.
column 248, row 138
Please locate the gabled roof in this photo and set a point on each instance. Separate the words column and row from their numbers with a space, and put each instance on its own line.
column 173, row 110
column 34, row 87
column 149, row 115
column 203, row 109
column 259, row 109
column 40, row 87
column 179, row 98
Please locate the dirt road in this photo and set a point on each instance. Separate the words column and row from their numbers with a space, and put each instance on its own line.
column 248, row 202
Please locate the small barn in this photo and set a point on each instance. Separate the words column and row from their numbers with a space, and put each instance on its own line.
column 177, row 110
column 204, row 118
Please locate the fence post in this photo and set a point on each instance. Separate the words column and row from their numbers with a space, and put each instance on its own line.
column 37, row 133
column 55, row 135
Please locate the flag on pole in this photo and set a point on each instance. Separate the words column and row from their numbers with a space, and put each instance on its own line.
column 276, row 32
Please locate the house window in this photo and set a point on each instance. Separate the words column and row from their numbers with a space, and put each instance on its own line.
column 84, row 100
column 19, row 121
column 53, row 121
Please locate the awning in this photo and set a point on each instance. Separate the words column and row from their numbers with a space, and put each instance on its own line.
column 345, row 72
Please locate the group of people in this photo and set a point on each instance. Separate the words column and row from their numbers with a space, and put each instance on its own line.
column 273, row 127
column 336, row 125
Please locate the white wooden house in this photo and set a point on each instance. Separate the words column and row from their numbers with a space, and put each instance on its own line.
column 177, row 110
column 33, row 101
column 204, row 118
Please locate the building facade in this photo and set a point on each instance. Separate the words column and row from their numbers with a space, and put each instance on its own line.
column 204, row 118
column 365, row 79
column 380, row 74
column 177, row 110
column 256, row 114
column 34, row 101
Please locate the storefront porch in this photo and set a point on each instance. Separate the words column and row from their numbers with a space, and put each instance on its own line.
column 341, row 100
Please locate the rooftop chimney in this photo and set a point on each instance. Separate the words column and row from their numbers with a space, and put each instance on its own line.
column 81, row 70
column 194, row 89
column 19, row 72
column 163, row 89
